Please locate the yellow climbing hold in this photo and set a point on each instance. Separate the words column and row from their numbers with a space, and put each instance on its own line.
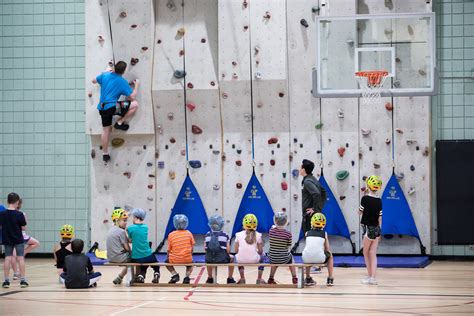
column 117, row 142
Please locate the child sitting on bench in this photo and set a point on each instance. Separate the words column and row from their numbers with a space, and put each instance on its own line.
column 180, row 248
column 118, row 249
column 78, row 271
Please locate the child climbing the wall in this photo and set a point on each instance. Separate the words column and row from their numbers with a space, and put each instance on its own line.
column 371, row 221
column 78, row 271
column 141, row 251
column 249, row 247
column 112, row 87
column 118, row 249
column 317, row 249
column 180, row 248
column 63, row 249
column 280, row 242
column 217, row 247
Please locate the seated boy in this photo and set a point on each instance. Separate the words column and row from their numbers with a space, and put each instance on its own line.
column 217, row 247
column 180, row 248
column 317, row 248
column 78, row 271
column 118, row 249
column 141, row 251
column 63, row 249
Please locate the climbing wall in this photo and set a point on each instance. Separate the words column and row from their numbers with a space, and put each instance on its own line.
column 125, row 181
column 340, row 141
column 235, row 101
column 304, row 108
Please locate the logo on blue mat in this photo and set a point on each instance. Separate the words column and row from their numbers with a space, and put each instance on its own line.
column 392, row 194
column 187, row 194
column 254, row 192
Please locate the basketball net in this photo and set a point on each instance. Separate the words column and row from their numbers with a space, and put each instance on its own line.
column 371, row 83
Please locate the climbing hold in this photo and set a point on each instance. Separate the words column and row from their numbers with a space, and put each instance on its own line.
column 284, row 186
column 410, row 30
column 216, row 187
column 412, row 168
column 144, row 48
column 388, row 106
column 281, row 94
column 223, row 157
column 396, row 83
column 319, row 125
column 417, row 147
column 195, row 164
column 272, row 162
column 239, row 151
column 128, row 174
column 267, row 15
column 161, row 164
column 256, row 50
column 172, row 175
column 360, row 155
column 352, row 162
column 117, row 142
column 340, row 113
column 314, row 9
column 273, row 152
column 245, row 3
column 123, row 14
column 341, row 151
column 170, row 5
column 181, row 31
column 411, row 141
column 304, row 23
column 134, row 61
column 342, row 174
column 216, row 152
column 295, row 196
column 399, row 176
column 422, row 72
column 291, row 156
column 212, row 83
column 105, row 221
column 172, row 140
column 134, row 26
column 150, row 186
column 239, row 185
column 183, row 152
column 235, row 75
column 247, row 117
column 149, row 164
column 370, row 148
column 190, row 85
column 283, row 174
column 203, row 40
column 376, row 166
column 387, row 141
column 100, row 38
column 399, row 130
column 411, row 191
column 225, row 95
column 151, row 175
column 106, row 186
column 259, row 104
column 246, row 27
column 363, row 189
column 159, row 128
column 181, row 52
column 190, row 106
column 149, row 198
column 426, row 151
column 178, row 74
column 272, row 140
column 365, row 131
column 342, row 197
column 92, row 153
column 238, row 162
column 318, row 151
column 196, row 129
column 258, row 75
column 89, row 94
column 170, row 116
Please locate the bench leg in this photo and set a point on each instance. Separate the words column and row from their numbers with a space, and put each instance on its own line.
column 130, row 274
column 300, row 277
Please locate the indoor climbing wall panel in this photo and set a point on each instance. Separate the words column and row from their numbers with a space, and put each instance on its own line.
column 169, row 107
column 202, row 92
column 98, row 55
column 235, row 101
column 340, row 139
column 270, row 99
column 412, row 159
column 132, row 35
column 304, row 108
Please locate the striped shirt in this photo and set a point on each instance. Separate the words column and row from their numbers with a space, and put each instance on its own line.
column 180, row 246
column 222, row 237
column 280, row 241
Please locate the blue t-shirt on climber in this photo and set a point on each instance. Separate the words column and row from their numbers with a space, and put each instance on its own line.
column 112, row 86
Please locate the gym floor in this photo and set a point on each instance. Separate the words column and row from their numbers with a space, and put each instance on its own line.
column 443, row 287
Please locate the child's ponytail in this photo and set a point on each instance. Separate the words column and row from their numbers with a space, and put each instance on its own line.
column 250, row 236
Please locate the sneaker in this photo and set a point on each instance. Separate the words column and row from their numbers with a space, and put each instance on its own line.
column 139, row 279
column 6, row 284
column 123, row 126
column 156, row 277
column 186, row 280
column 271, row 281
column 373, row 281
column 294, row 280
column 106, row 158
column 24, row 284
column 231, row 281
column 174, row 279
column 260, row 281
column 210, row 281
column 315, row 270
column 16, row 276
column 117, row 281
column 330, row 282
column 93, row 285
column 365, row 280
column 309, row 282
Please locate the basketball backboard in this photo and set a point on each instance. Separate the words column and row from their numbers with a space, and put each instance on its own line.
column 402, row 44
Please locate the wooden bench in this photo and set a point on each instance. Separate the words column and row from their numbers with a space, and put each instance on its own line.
column 300, row 267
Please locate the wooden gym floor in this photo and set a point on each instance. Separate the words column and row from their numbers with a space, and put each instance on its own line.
column 441, row 288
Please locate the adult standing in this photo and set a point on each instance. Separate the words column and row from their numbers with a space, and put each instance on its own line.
column 313, row 194
column 112, row 87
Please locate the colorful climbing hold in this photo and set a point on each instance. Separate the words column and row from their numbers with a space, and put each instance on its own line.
column 100, row 38
column 340, row 113
column 170, row 116
column 388, row 106
column 123, row 14
column 203, row 40
column 295, row 196
column 376, row 166
column 412, row 168
column 411, row 191
column 387, row 141
column 117, row 142
column 144, row 48
column 161, row 164
column 272, row 162
column 183, row 152
column 399, row 175
column 212, row 83
column 195, row 164
column 181, row 31
column 341, row 151
column 304, row 23
column 238, row 162
column 426, row 151
column 281, row 94
column 181, row 52
column 190, row 106
column 239, row 185
column 342, row 197
column 365, row 131
column 92, row 153
column 149, row 164
column 151, row 175
column 216, row 187
column 172, row 140
column 267, row 15
column 128, row 174
column 178, row 74
column 342, row 175
column 216, row 152
column 150, row 186
column 172, row 175
column 196, row 129
column 190, row 85
column 245, row 3
column 134, row 26
column 319, row 125
column 89, row 94
column 134, row 61
column 284, row 186
column 399, row 130
column 239, row 151
column 272, row 140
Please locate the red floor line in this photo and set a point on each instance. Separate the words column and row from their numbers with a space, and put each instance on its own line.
column 196, row 282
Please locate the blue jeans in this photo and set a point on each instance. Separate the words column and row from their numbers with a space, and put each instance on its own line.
column 142, row 269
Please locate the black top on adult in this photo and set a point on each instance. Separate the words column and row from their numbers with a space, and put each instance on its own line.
column 313, row 194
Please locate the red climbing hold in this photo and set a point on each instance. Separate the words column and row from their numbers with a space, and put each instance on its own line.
column 172, row 140
column 272, row 162
column 181, row 52
column 190, row 85
column 190, row 106
column 196, row 129
column 245, row 3
column 150, row 186
column 341, row 151
column 388, row 106
column 239, row 185
column 89, row 94
column 272, row 140
column 284, row 186
column 128, row 174
column 183, row 152
column 123, row 14
column 238, row 163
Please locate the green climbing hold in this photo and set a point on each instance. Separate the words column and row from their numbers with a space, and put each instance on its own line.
column 117, row 142
column 319, row 125
column 341, row 175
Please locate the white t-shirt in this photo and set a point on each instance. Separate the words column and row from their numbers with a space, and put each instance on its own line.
column 313, row 251
column 247, row 253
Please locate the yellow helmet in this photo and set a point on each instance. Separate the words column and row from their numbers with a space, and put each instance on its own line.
column 374, row 183
column 67, row 231
column 318, row 220
column 250, row 222
column 119, row 213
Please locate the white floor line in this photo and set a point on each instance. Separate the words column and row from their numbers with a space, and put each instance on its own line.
column 137, row 306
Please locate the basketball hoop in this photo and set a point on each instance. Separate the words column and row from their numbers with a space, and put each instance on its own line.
column 371, row 83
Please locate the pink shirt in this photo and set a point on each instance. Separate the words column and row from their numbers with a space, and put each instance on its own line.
column 247, row 253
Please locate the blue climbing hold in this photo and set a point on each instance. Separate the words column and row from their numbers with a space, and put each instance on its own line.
column 295, row 173
column 195, row 164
